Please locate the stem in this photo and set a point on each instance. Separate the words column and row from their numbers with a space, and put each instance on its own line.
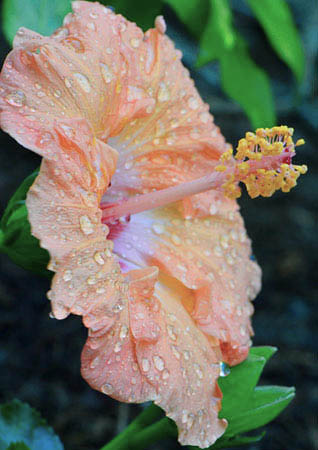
column 126, row 439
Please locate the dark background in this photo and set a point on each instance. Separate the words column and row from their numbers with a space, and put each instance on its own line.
column 40, row 357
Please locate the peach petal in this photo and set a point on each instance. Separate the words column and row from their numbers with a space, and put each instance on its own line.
column 210, row 257
column 184, row 368
column 63, row 201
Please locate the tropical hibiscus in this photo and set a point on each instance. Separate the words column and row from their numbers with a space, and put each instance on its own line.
column 134, row 202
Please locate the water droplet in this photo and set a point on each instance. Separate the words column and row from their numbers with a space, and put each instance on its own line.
column 128, row 165
column 67, row 275
column 242, row 330
column 159, row 363
column 229, row 259
column 91, row 26
column 134, row 42
column 171, row 332
column 165, row 374
column 99, row 258
column 163, row 93
column 224, row 369
column 175, row 239
column 118, row 307
column 83, row 82
column 198, row 370
column 184, row 417
column 100, row 290
column 106, row 73
column 218, row 251
column 133, row 380
column 145, row 364
column 193, row 103
column 190, row 421
column 75, row 43
column 86, row 225
column 224, row 241
column 67, row 83
column 204, row 117
column 107, row 388
column 122, row 27
column 91, row 280
column 123, row 332
column 16, row 98
column 158, row 228
column 57, row 93
column 117, row 347
column 186, row 355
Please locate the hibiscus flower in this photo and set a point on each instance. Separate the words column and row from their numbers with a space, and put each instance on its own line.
column 135, row 204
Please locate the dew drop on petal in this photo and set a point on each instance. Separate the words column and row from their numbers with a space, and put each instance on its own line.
column 67, row 275
column 193, row 103
column 106, row 73
column 83, row 82
column 165, row 374
column 117, row 347
column 91, row 280
column 99, row 258
column 123, row 332
column 163, row 93
column 159, row 363
column 145, row 364
column 224, row 369
column 86, row 225
column 67, row 83
column 175, row 239
column 16, row 98
column 204, row 117
column 75, row 43
column 134, row 42
column 158, row 228
column 107, row 388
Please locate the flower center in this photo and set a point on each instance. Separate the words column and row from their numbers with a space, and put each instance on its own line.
column 263, row 162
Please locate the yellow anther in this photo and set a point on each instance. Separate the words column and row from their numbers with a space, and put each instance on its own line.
column 263, row 163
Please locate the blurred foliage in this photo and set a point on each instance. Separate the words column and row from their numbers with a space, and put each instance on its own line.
column 42, row 16
column 22, row 428
column 211, row 24
column 15, row 233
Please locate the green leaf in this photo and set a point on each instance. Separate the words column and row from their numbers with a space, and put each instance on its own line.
column 143, row 12
column 241, row 78
column 193, row 13
column 18, row 446
column 219, row 35
column 19, row 423
column 16, row 239
column 245, row 406
column 278, row 24
column 236, row 441
column 245, row 375
column 266, row 403
column 266, row 352
column 248, row 84
column 43, row 16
